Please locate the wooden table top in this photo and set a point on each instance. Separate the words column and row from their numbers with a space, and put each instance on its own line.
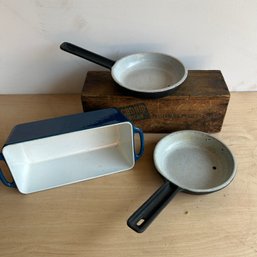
column 89, row 218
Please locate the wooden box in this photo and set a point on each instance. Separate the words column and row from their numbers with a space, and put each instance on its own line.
column 200, row 103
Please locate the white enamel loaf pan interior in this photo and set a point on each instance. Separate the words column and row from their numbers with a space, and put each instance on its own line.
column 67, row 158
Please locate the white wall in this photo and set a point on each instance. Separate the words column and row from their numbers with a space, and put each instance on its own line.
column 204, row 34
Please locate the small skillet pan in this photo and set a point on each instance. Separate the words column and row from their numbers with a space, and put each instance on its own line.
column 190, row 161
column 146, row 75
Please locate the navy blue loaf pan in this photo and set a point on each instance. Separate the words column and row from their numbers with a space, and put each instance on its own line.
column 59, row 151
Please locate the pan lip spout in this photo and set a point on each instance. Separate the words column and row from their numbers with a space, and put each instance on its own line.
column 117, row 71
column 184, row 186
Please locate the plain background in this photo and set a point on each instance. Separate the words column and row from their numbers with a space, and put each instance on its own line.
column 203, row 34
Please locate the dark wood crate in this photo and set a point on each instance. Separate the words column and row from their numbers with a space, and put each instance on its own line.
column 200, row 103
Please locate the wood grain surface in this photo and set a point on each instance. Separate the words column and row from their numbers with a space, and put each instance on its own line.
column 89, row 218
column 200, row 103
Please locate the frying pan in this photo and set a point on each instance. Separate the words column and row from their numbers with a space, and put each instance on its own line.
column 147, row 75
column 190, row 161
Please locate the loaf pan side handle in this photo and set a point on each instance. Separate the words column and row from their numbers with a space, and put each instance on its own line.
column 142, row 144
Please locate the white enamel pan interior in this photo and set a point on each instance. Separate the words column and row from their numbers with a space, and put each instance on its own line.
column 195, row 161
column 149, row 72
column 68, row 158
column 145, row 74
column 190, row 161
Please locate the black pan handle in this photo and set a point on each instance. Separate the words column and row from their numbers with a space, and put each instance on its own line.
column 145, row 214
column 90, row 56
column 2, row 177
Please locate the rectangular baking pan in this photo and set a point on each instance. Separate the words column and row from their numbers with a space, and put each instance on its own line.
column 54, row 152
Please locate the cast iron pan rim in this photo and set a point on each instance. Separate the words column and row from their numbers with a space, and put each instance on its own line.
column 193, row 190
column 209, row 190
